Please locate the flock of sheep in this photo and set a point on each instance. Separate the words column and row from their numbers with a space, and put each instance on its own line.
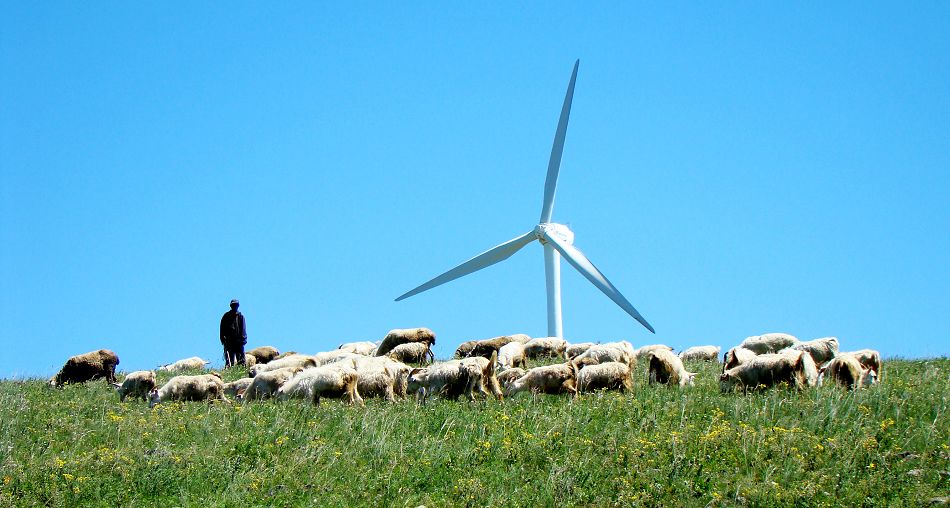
column 492, row 368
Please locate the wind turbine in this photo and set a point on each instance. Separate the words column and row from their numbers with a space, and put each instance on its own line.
column 556, row 238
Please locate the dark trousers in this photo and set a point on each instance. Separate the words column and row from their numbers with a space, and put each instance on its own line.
column 233, row 354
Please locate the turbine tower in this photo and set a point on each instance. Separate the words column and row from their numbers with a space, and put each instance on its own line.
column 556, row 239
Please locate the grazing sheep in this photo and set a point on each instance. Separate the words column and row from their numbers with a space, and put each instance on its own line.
column 400, row 336
column 465, row 348
column 86, row 367
column 736, row 357
column 412, row 352
column 200, row 387
column 137, row 384
column 487, row 346
column 767, row 370
column 704, row 353
column 821, row 350
column 869, row 358
column 285, row 354
column 335, row 381
column 667, row 368
column 265, row 385
column 507, row 376
column 644, row 352
column 264, row 354
column 848, row 372
column 380, row 376
column 520, row 338
column 237, row 387
column 365, row 348
column 512, row 355
column 605, row 376
column 612, row 352
column 334, row 356
column 768, row 343
column 249, row 360
column 552, row 379
column 294, row 360
column 573, row 350
column 456, row 377
column 193, row 363
column 552, row 347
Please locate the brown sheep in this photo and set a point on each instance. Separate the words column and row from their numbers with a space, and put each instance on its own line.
column 264, row 354
column 465, row 348
column 553, row 379
column 137, row 384
column 200, row 387
column 643, row 352
column 487, row 346
column 402, row 336
column 667, row 368
column 86, row 367
column 605, row 376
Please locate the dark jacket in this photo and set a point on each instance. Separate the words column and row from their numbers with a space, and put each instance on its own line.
column 232, row 328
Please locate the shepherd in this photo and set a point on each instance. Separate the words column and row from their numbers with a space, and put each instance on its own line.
column 233, row 335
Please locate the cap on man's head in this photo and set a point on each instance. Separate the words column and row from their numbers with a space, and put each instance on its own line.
column 235, row 303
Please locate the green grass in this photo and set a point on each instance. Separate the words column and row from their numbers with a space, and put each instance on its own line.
column 889, row 445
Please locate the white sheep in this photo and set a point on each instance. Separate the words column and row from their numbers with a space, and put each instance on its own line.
column 704, row 353
column 821, row 350
column 768, row 370
column 266, row 384
column 293, row 360
column 605, row 376
column 200, row 387
column 643, row 352
column 412, row 352
column 365, row 348
column 193, row 363
column 545, row 347
column 611, row 352
column 553, row 379
column 380, row 376
column 137, row 384
column 337, row 380
column 576, row 349
column 769, row 343
column 234, row 388
column 667, row 368
column 512, row 355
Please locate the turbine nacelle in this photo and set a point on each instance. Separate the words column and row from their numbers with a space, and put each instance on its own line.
column 556, row 230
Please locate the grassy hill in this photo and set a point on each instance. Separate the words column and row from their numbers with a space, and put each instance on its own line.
column 889, row 445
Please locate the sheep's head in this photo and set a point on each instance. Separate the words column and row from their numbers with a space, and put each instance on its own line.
column 868, row 377
column 154, row 398
column 728, row 382
column 690, row 377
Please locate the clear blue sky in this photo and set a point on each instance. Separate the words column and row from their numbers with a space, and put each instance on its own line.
column 734, row 169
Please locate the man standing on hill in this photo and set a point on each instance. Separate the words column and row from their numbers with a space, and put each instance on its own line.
column 233, row 335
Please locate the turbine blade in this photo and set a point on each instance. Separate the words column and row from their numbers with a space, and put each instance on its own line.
column 485, row 259
column 554, row 164
column 577, row 259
